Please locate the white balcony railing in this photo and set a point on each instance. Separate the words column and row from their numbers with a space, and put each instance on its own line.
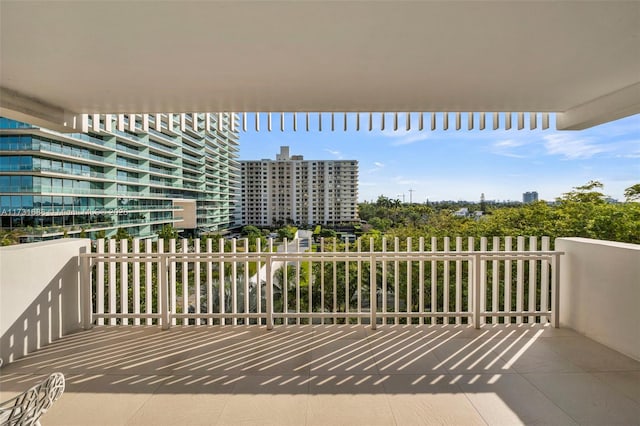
column 181, row 282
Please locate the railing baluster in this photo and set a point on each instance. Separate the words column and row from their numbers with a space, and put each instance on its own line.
column 136, row 281
column 234, row 284
column 112, row 283
column 483, row 279
column 359, row 282
column 124, row 284
column 477, row 291
column 322, row 295
column 221, row 286
column 409, row 283
column 445, row 289
column 162, row 268
column 544, row 279
column 346, row 284
column 373, row 287
column 533, row 266
column 495, row 281
column 310, row 280
column 246, row 282
column 196, row 275
column 259, row 277
column 164, row 294
column 508, row 304
column 100, row 282
column 384, row 281
column 285, row 281
column 269, row 304
column 470, row 271
column 396, row 283
column 172, row 262
column 519, row 280
column 148, row 283
column 335, row 282
column 209, row 266
column 420, row 278
column 297, row 283
column 163, row 291
column 458, row 280
column 434, row 280
column 185, row 281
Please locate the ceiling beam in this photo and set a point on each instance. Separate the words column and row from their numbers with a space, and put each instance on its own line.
column 37, row 112
column 610, row 107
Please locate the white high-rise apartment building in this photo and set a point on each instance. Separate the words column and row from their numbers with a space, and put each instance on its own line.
column 293, row 190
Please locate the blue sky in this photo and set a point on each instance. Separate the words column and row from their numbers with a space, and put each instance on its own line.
column 460, row 165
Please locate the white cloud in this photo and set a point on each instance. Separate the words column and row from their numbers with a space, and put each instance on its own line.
column 572, row 147
column 507, row 147
column 376, row 166
column 337, row 154
column 401, row 180
column 509, row 143
column 409, row 138
column 405, row 137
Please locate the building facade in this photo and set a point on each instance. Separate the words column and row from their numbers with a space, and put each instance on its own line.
column 530, row 197
column 177, row 169
column 297, row 191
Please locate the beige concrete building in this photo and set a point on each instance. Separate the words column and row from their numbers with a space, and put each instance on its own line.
column 294, row 190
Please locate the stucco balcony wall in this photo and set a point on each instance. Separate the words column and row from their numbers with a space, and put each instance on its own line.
column 39, row 294
column 600, row 291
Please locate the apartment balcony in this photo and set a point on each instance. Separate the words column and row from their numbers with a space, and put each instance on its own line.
column 447, row 331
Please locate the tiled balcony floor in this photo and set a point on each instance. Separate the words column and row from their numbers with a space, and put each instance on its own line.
column 325, row 375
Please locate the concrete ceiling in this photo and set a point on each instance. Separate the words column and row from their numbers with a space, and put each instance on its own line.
column 577, row 58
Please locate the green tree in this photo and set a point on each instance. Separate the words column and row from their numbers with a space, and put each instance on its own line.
column 287, row 232
column 632, row 193
column 328, row 233
column 122, row 234
column 251, row 232
column 168, row 232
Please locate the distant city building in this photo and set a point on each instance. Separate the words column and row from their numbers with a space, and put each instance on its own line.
column 119, row 174
column 293, row 190
column 530, row 197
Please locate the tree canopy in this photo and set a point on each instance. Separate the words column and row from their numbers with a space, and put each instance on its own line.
column 580, row 212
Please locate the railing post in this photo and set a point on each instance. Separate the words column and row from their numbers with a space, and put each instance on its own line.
column 269, row 294
column 477, row 277
column 86, row 290
column 555, row 291
column 164, row 292
column 373, row 299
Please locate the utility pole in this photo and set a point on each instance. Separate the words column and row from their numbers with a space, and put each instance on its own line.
column 411, row 191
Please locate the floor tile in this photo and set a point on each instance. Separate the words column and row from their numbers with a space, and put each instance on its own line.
column 592, row 356
column 586, row 399
column 509, row 399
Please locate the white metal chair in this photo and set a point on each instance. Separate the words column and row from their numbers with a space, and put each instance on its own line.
column 29, row 406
